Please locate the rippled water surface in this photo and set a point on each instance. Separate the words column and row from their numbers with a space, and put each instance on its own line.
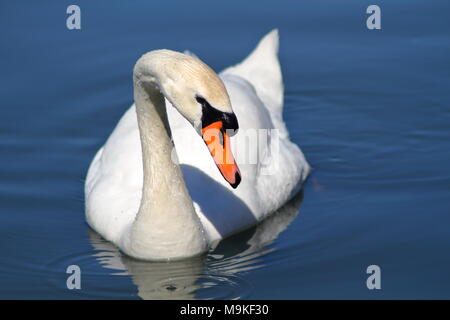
column 370, row 110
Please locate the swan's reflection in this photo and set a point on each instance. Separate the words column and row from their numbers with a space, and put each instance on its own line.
column 210, row 276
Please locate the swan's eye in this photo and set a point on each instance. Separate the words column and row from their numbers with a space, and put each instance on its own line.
column 202, row 101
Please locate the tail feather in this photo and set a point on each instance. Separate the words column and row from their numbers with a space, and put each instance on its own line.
column 262, row 69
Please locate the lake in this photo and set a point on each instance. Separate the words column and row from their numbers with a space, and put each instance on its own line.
column 369, row 108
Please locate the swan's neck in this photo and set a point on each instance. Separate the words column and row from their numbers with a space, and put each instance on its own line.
column 166, row 225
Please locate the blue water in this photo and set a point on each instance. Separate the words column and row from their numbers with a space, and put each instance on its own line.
column 370, row 110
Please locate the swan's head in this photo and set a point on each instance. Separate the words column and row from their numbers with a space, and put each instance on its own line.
column 199, row 95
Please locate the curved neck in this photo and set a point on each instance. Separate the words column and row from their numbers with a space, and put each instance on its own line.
column 166, row 225
column 162, row 175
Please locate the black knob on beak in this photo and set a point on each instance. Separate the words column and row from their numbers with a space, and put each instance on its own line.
column 230, row 123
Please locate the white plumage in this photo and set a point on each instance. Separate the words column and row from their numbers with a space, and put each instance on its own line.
column 114, row 181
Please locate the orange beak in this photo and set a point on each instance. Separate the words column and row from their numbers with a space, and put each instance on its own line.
column 218, row 142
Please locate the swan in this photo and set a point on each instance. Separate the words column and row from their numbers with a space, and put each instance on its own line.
column 158, row 191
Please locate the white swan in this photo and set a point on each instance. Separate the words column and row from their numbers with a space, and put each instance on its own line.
column 154, row 209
